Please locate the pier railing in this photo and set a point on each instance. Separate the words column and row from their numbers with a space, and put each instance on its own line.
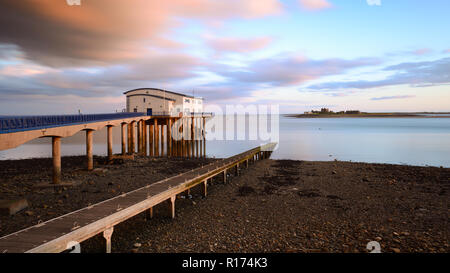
column 10, row 124
column 192, row 114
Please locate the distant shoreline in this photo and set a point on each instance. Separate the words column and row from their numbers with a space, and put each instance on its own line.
column 372, row 115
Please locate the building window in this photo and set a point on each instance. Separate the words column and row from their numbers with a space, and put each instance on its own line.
column 144, row 99
column 135, row 110
column 187, row 100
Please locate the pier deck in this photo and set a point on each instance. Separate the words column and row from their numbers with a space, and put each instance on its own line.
column 63, row 232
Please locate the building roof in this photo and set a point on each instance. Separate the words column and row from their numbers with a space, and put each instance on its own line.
column 148, row 95
column 175, row 93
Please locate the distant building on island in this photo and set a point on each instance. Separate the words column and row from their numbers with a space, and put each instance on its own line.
column 154, row 100
column 329, row 112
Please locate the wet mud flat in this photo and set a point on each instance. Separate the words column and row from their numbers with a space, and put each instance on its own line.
column 300, row 206
column 20, row 179
column 273, row 206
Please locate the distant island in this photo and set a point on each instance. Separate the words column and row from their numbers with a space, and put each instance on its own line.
column 327, row 113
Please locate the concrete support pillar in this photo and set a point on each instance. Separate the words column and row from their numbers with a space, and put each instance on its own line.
column 179, row 141
column 56, row 153
column 123, row 135
column 156, row 138
column 204, row 138
column 129, row 128
column 237, row 169
column 183, row 150
column 89, row 153
column 246, row 164
column 163, row 140
column 192, row 138
column 180, row 136
column 110, row 141
column 133, row 137
column 225, row 176
column 139, row 136
column 188, row 136
column 151, row 131
column 169, row 137
column 107, row 234
column 145, row 138
column 196, row 137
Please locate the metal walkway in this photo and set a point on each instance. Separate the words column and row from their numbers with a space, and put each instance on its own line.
column 59, row 234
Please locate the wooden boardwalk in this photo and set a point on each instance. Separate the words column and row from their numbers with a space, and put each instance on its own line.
column 61, row 233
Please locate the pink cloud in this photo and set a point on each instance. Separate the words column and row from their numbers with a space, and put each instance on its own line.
column 238, row 44
column 421, row 51
column 111, row 31
column 23, row 69
column 315, row 4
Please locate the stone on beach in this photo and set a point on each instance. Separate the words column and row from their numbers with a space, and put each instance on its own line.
column 11, row 207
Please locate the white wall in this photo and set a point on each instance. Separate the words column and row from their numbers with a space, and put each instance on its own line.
column 157, row 104
column 181, row 104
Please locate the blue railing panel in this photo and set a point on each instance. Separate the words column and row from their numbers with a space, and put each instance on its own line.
column 10, row 124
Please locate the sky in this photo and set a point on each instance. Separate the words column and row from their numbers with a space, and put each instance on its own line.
column 58, row 57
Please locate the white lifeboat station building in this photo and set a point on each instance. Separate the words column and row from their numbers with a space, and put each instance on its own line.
column 157, row 101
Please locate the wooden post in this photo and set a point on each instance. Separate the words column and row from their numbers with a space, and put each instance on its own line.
column 56, row 153
column 123, row 134
column 205, row 188
column 237, row 169
column 149, row 213
column 107, row 234
column 172, row 206
column 89, row 154
column 151, row 130
column 156, row 138
column 110, row 142
column 246, row 163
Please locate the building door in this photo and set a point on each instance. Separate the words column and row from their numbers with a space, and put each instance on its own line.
column 149, row 111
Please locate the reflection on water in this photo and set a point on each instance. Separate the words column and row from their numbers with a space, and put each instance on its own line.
column 413, row 141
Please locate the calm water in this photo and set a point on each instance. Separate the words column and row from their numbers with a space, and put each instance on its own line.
column 412, row 141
